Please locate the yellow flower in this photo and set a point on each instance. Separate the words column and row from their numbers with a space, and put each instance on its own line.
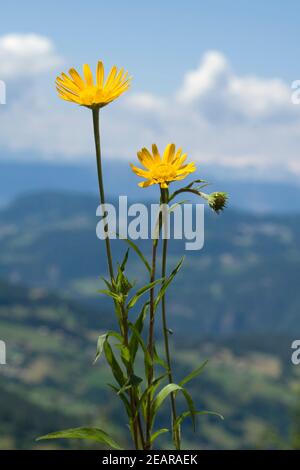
column 162, row 170
column 85, row 92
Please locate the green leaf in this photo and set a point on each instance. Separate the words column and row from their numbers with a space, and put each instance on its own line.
column 165, row 392
column 125, row 355
column 159, row 360
column 136, row 333
column 107, row 283
column 151, row 390
column 122, row 283
column 167, row 283
column 191, row 406
column 101, row 341
column 162, row 395
column 186, row 414
column 114, row 365
column 193, row 374
column 138, row 252
column 131, row 382
column 125, row 259
column 138, row 326
column 100, row 344
column 135, row 380
column 123, row 398
column 158, row 433
column 180, row 203
column 147, row 358
column 110, row 294
column 93, row 434
column 142, row 291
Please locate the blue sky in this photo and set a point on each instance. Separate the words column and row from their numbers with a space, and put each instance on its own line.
column 159, row 40
column 212, row 76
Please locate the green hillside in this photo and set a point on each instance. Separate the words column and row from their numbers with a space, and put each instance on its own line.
column 238, row 306
column 244, row 279
column 50, row 383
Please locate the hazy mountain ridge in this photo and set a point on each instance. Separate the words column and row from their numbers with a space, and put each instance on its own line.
column 236, row 300
column 244, row 279
column 246, row 192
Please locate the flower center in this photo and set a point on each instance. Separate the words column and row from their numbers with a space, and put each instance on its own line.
column 163, row 172
column 92, row 95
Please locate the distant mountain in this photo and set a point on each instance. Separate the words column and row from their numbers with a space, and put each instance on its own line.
column 251, row 194
column 245, row 279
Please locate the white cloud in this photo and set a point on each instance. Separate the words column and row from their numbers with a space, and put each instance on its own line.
column 25, row 55
column 214, row 84
column 144, row 102
column 219, row 117
column 211, row 75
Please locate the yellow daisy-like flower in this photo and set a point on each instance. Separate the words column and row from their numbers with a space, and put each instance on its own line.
column 162, row 170
column 85, row 92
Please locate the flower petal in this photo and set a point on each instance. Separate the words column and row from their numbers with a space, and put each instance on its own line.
column 140, row 172
column 156, row 155
column 169, row 153
column 88, row 75
column 77, row 78
column 145, row 159
column 145, row 184
column 100, row 74
column 110, row 77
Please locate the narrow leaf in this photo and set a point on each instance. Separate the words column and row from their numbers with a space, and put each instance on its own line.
column 193, row 374
column 158, row 433
column 125, row 355
column 150, row 390
column 167, row 283
column 93, row 434
column 110, row 294
column 123, row 398
column 147, row 358
column 191, row 406
column 138, row 252
column 187, row 414
column 159, row 360
column 100, row 344
column 142, row 291
column 114, row 365
column 162, row 395
column 101, row 341
column 138, row 326
column 125, row 259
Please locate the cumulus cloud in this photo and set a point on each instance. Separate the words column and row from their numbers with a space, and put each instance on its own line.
column 214, row 84
column 25, row 55
column 220, row 118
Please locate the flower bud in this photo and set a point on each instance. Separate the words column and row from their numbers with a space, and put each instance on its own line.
column 217, row 201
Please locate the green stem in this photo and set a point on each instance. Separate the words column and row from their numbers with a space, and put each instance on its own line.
column 96, row 123
column 129, row 373
column 101, row 186
column 151, row 345
column 176, row 433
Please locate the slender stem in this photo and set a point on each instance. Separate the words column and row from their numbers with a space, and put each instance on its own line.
column 151, row 346
column 96, row 122
column 101, row 185
column 137, row 427
column 176, row 433
column 129, row 373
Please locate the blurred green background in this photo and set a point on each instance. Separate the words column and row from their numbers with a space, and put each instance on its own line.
column 236, row 303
